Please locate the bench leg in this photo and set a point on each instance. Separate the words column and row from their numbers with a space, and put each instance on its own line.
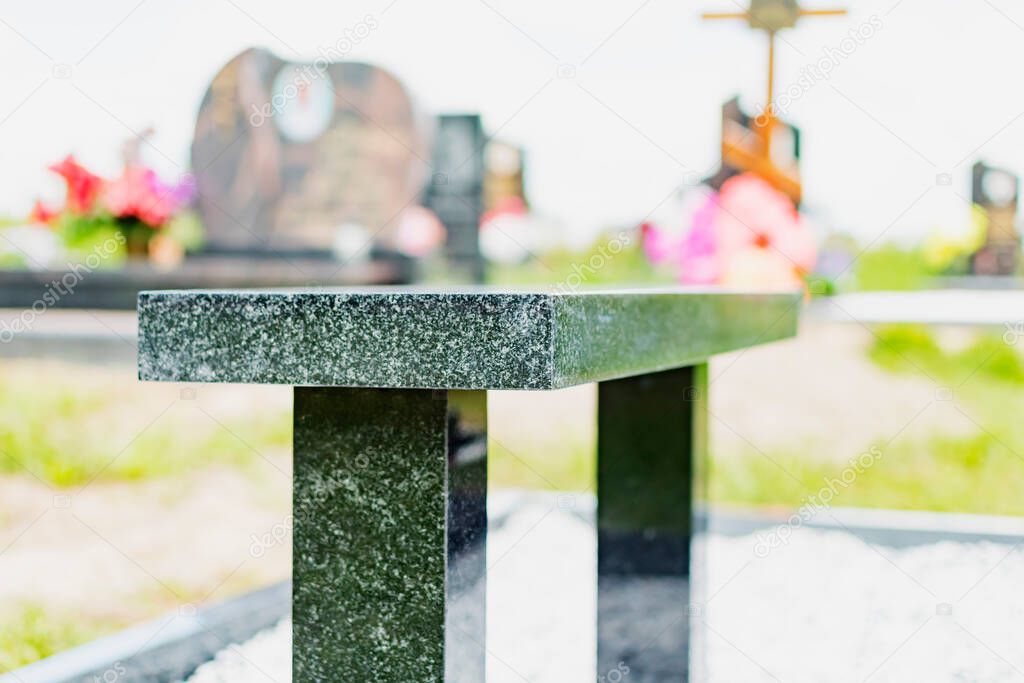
column 390, row 525
column 651, row 436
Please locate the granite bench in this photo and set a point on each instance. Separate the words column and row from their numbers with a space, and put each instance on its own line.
column 390, row 452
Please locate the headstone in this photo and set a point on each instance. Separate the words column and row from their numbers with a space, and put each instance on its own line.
column 303, row 172
column 996, row 191
column 455, row 192
column 286, row 155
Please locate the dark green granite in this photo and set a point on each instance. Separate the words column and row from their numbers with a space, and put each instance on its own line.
column 651, row 444
column 468, row 339
column 389, row 537
column 390, row 482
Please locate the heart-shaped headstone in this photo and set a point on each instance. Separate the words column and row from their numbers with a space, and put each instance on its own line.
column 286, row 155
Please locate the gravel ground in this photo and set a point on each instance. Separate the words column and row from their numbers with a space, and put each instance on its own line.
column 824, row 607
column 267, row 656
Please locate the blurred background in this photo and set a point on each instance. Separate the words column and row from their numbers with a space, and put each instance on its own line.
column 869, row 158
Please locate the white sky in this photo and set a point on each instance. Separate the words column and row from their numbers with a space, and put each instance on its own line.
column 934, row 89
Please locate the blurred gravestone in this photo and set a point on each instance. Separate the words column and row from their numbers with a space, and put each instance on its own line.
column 303, row 172
column 455, row 192
column 293, row 156
column 996, row 191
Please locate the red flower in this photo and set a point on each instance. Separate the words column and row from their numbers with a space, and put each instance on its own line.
column 42, row 213
column 83, row 186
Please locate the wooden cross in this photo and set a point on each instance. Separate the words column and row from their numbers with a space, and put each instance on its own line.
column 772, row 16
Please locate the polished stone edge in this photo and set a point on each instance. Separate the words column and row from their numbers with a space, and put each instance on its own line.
column 661, row 331
column 448, row 340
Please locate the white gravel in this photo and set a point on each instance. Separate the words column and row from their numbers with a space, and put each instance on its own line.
column 265, row 657
column 825, row 607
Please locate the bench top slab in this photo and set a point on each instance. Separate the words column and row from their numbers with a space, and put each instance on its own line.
column 465, row 338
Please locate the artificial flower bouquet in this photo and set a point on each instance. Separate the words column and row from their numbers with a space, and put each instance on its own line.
column 747, row 235
column 147, row 212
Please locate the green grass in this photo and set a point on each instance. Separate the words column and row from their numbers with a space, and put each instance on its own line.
column 913, row 348
column 982, row 472
column 891, row 268
column 597, row 265
column 29, row 633
column 66, row 431
column 555, row 467
column 975, row 474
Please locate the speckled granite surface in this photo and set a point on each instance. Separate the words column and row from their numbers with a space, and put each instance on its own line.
column 465, row 338
column 390, row 526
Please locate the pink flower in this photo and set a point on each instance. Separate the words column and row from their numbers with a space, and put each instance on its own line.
column 139, row 192
column 749, row 235
column 661, row 246
column 754, row 215
column 700, row 262
column 669, row 239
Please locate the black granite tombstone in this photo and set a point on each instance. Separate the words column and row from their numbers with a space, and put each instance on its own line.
column 456, row 189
